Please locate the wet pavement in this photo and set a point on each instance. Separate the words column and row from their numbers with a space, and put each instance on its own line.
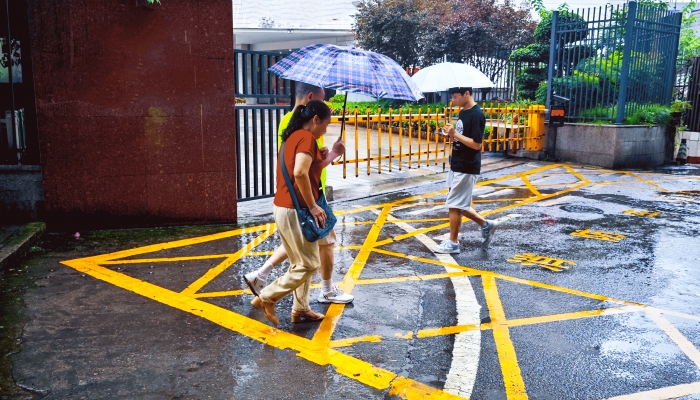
column 590, row 289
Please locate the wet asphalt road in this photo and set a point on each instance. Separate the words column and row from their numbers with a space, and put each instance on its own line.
column 612, row 310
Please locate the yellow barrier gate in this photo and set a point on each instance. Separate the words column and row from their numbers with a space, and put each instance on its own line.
column 408, row 136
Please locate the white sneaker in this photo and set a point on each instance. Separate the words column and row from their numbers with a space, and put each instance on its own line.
column 487, row 232
column 254, row 283
column 447, row 247
column 335, row 296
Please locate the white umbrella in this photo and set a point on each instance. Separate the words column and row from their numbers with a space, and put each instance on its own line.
column 440, row 77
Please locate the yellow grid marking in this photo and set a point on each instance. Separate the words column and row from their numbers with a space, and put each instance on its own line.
column 649, row 214
column 351, row 341
column 553, row 264
column 598, row 235
column 325, row 331
column 214, row 272
column 320, row 349
column 512, row 377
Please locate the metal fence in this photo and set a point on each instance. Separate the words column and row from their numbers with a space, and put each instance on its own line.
column 263, row 98
column 395, row 139
column 612, row 61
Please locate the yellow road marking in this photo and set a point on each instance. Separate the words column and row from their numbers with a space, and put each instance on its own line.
column 410, row 389
column 325, row 331
column 214, row 272
column 684, row 344
column 305, row 348
column 455, row 329
column 532, row 188
column 351, row 341
column 510, row 278
column 648, row 182
column 318, row 351
column 412, row 278
column 484, row 214
column 512, row 378
column 671, row 392
column 171, row 259
column 181, row 243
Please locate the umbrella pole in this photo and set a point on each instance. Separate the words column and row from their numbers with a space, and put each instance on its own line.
column 342, row 122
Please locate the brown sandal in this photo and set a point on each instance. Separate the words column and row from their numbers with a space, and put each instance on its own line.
column 310, row 315
column 267, row 308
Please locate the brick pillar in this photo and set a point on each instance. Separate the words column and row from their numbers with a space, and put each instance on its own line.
column 135, row 109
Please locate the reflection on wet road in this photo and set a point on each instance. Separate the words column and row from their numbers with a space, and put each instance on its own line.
column 590, row 289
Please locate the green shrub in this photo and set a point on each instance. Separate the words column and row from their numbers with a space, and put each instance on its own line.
column 650, row 114
column 541, row 93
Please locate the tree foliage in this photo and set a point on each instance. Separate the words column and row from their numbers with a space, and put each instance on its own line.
column 391, row 27
column 421, row 32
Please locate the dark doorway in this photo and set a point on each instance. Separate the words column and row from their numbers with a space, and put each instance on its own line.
column 19, row 139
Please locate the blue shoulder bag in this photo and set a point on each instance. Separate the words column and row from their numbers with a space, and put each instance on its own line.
column 311, row 231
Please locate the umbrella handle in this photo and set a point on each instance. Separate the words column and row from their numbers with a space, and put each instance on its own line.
column 342, row 122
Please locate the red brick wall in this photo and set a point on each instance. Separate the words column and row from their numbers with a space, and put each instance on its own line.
column 135, row 111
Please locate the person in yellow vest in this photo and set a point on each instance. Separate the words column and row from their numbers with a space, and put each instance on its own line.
column 330, row 293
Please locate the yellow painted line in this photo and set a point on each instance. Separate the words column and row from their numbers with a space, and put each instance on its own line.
column 512, row 377
column 349, row 342
column 678, row 314
column 532, row 188
column 325, row 331
column 346, row 365
column 181, row 243
column 570, row 316
column 204, row 295
column 359, row 282
column 497, row 200
column 214, row 272
column 170, row 259
column 450, row 330
column 648, row 182
column 671, row 392
column 409, row 221
column 259, row 253
column 409, row 389
column 520, row 174
column 576, row 174
column 510, row 278
column 355, row 223
column 412, row 278
column 681, row 341
column 483, row 213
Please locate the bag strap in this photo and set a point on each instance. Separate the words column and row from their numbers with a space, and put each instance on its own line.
column 290, row 187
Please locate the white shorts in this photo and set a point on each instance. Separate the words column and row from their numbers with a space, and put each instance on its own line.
column 461, row 186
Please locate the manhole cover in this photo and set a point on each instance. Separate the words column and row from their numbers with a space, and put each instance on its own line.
column 582, row 209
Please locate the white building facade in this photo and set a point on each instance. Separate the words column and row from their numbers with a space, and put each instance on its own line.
column 277, row 25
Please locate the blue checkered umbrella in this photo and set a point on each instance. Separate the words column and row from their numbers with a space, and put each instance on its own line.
column 348, row 70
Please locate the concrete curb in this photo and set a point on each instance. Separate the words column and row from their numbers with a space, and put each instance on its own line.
column 20, row 244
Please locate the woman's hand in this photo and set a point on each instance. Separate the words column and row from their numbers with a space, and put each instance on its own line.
column 339, row 146
column 324, row 152
column 319, row 215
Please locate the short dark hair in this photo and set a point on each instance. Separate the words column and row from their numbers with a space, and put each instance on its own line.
column 460, row 90
column 305, row 113
column 302, row 89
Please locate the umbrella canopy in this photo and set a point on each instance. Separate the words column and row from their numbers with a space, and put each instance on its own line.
column 348, row 70
column 440, row 77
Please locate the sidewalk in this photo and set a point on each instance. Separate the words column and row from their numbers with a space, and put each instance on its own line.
column 16, row 241
column 362, row 186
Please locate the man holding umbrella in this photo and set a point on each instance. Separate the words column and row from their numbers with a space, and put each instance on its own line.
column 465, row 167
column 330, row 293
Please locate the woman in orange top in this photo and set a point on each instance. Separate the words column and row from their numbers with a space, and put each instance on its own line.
column 304, row 164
